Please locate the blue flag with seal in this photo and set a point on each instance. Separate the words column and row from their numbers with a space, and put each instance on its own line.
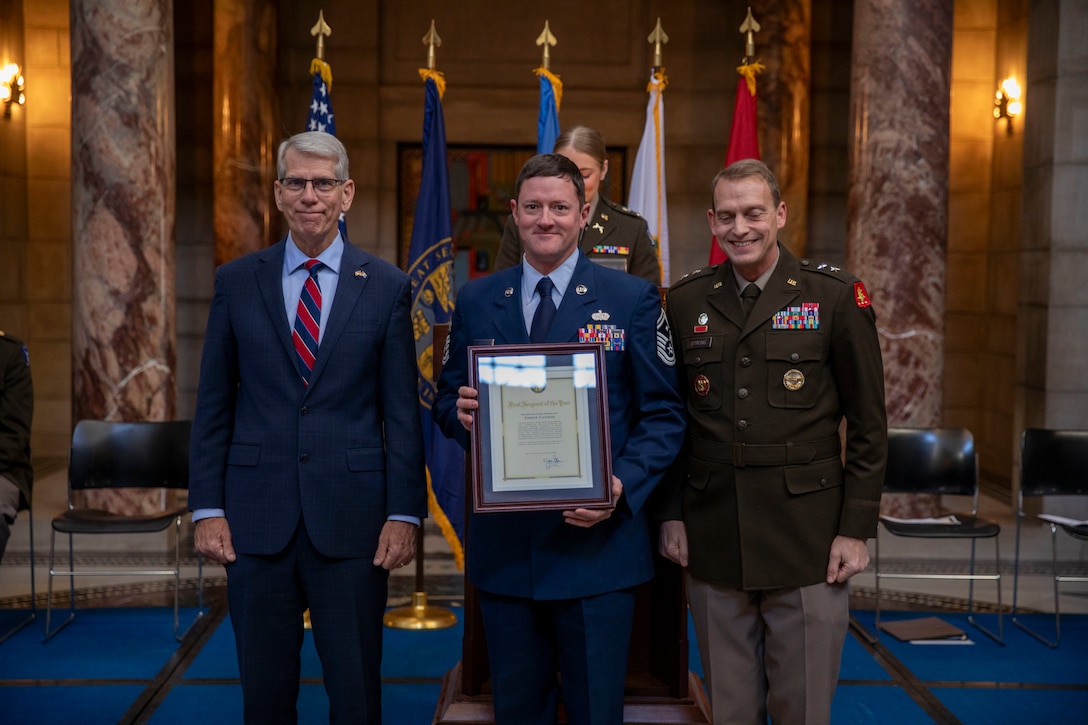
column 430, row 266
column 320, row 117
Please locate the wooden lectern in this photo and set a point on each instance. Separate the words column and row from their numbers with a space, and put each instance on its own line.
column 660, row 688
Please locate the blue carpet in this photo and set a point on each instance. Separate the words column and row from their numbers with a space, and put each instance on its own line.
column 1021, row 660
column 68, row 704
column 107, row 659
column 993, row 706
column 130, row 643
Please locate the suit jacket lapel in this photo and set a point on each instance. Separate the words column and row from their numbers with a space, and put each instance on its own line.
column 349, row 287
column 270, row 282
column 725, row 299
column 572, row 313
column 509, row 321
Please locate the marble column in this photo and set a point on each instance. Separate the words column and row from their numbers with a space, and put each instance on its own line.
column 784, row 45
column 245, row 126
column 898, row 196
column 123, row 196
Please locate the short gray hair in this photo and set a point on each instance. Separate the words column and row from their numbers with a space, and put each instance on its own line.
column 314, row 143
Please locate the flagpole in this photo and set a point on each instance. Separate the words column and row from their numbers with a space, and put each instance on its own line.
column 744, row 135
column 647, row 195
column 419, row 614
column 551, row 95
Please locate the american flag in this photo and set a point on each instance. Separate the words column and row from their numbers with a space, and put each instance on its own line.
column 321, row 118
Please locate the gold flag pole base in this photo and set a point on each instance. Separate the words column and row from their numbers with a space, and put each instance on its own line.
column 306, row 620
column 418, row 615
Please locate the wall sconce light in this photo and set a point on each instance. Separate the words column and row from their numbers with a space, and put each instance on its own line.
column 1007, row 102
column 12, row 87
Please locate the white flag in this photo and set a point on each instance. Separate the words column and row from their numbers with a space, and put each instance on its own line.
column 648, row 179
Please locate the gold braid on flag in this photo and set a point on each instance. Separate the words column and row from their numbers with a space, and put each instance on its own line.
column 437, row 77
column 444, row 525
column 749, row 71
column 557, row 85
column 318, row 65
column 660, row 81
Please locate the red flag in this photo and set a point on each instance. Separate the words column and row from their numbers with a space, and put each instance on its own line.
column 743, row 138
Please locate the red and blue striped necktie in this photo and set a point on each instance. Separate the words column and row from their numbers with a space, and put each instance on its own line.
column 307, row 330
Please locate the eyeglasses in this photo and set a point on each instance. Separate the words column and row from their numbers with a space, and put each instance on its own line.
column 295, row 185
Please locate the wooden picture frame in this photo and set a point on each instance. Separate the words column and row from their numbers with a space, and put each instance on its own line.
column 540, row 440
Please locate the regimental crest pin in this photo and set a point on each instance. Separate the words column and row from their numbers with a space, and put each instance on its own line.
column 509, row 292
column 581, row 289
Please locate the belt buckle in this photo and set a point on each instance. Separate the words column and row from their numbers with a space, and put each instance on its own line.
column 739, row 450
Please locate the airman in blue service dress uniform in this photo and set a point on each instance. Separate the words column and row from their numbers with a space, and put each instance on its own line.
column 614, row 236
column 556, row 589
column 766, row 515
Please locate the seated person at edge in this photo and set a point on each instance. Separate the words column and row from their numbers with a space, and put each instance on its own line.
column 557, row 588
column 614, row 235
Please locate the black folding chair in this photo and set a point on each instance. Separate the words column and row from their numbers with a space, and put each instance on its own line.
column 111, row 455
column 1052, row 463
column 943, row 462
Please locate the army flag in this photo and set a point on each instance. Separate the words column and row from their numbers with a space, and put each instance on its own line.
column 430, row 266
column 647, row 195
column 743, row 137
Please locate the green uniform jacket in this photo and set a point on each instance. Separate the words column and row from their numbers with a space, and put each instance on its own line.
column 761, row 486
column 615, row 233
column 16, row 414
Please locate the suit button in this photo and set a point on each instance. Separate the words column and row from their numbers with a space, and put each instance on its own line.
column 305, row 410
column 794, row 357
column 304, row 457
column 742, row 424
column 742, row 393
column 746, row 362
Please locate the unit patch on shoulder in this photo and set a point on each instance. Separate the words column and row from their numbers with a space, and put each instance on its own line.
column 861, row 296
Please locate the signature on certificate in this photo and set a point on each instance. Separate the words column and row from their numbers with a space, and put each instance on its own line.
column 552, row 461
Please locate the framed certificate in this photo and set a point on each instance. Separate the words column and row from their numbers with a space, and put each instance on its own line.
column 540, row 440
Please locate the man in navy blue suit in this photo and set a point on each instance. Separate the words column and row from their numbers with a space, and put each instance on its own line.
column 307, row 476
column 556, row 589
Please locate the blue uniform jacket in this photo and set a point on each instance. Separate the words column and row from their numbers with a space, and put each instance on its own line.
column 537, row 555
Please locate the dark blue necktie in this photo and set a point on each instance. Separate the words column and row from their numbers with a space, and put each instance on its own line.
column 545, row 311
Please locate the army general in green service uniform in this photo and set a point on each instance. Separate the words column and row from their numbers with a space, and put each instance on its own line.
column 766, row 515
